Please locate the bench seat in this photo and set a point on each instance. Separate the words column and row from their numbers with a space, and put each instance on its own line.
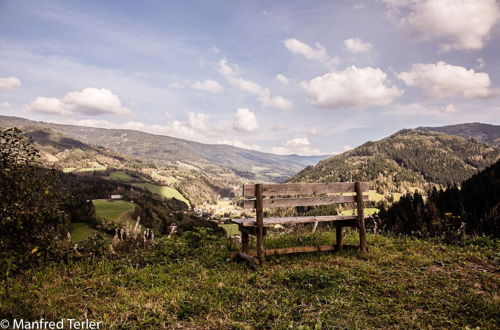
column 251, row 222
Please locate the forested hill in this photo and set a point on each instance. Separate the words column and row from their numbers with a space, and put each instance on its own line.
column 485, row 133
column 405, row 160
column 166, row 151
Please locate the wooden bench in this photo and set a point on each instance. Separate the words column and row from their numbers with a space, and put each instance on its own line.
column 261, row 196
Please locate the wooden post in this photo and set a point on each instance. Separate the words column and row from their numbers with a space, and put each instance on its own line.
column 338, row 240
column 259, row 210
column 361, row 218
column 245, row 240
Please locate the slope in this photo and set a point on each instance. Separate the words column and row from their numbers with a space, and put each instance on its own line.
column 404, row 161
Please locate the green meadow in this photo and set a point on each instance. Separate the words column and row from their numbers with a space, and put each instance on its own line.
column 163, row 191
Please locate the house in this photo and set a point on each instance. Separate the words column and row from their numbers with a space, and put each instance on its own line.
column 115, row 197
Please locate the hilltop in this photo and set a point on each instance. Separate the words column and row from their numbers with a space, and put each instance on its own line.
column 485, row 133
column 407, row 160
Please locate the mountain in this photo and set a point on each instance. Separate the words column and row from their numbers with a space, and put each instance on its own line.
column 404, row 161
column 168, row 151
column 485, row 133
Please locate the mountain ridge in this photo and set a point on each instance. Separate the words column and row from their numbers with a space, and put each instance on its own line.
column 164, row 150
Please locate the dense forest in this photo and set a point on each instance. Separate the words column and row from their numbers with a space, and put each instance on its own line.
column 473, row 209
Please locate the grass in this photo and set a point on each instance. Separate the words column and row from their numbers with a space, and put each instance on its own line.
column 120, row 175
column 231, row 229
column 114, row 211
column 366, row 211
column 163, row 191
column 400, row 283
column 80, row 231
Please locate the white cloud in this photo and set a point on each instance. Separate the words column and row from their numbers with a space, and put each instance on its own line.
column 352, row 88
column 5, row 105
column 9, row 83
column 277, row 102
column 347, row 148
column 263, row 94
column 464, row 24
column 441, row 80
column 239, row 144
column 299, row 146
column 209, row 85
column 94, row 101
column 282, row 79
column 356, row 45
column 198, row 122
column 90, row 101
column 48, row 106
column 319, row 54
column 450, row 108
column 245, row 120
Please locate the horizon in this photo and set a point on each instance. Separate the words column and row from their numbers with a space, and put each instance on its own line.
column 260, row 76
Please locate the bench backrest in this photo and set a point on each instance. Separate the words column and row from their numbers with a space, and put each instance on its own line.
column 318, row 194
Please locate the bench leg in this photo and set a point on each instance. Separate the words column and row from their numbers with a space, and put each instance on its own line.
column 338, row 238
column 260, row 245
column 245, row 240
column 363, row 245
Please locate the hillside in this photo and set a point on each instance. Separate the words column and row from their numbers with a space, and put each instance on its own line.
column 167, row 151
column 404, row 161
column 485, row 133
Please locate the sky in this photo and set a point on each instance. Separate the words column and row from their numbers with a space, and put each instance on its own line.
column 304, row 77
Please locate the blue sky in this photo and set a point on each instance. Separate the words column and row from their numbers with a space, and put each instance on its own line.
column 306, row 77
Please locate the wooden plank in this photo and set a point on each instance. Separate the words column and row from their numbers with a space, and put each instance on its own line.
column 259, row 209
column 361, row 218
column 312, row 201
column 303, row 188
column 298, row 249
column 250, row 222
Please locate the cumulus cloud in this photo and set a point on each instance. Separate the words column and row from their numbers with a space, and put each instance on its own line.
column 245, row 120
column 299, row 146
column 239, row 144
column 441, row 80
column 352, row 88
column 263, row 94
column 356, row 45
column 9, row 83
column 89, row 101
column 314, row 54
column 282, row 79
column 209, row 85
column 464, row 24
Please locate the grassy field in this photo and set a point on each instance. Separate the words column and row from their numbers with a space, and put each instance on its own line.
column 114, row 211
column 400, row 283
column 231, row 228
column 164, row 191
column 80, row 231
column 120, row 175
